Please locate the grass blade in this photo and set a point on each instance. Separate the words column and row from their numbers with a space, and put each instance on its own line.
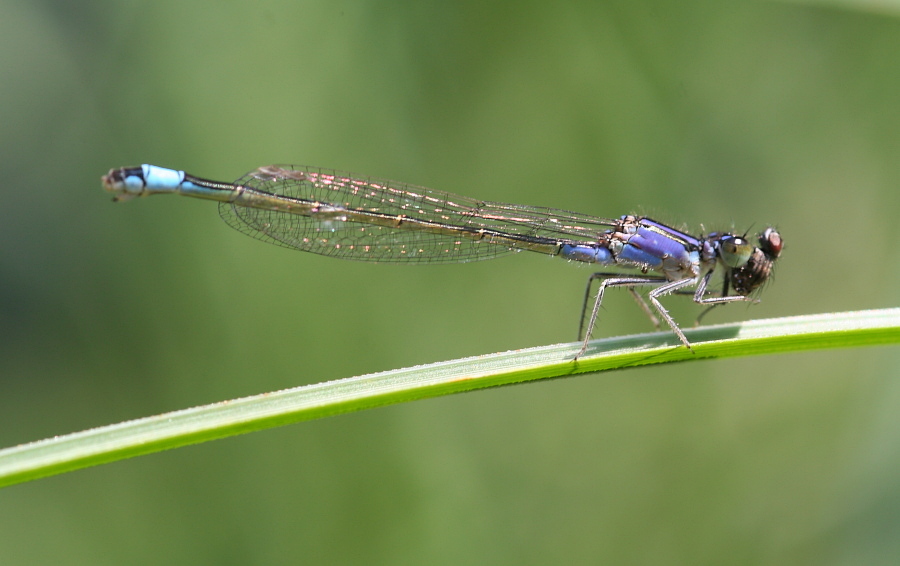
column 228, row 418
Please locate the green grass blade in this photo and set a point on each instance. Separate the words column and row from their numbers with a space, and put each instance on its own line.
column 228, row 418
column 881, row 7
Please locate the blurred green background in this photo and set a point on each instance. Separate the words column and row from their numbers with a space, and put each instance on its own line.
column 720, row 115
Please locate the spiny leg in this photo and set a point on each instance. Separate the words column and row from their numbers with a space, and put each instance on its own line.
column 663, row 290
column 715, row 301
column 609, row 280
column 637, row 297
column 674, row 287
column 644, row 307
column 702, row 287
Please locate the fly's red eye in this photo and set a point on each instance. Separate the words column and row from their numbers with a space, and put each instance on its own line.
column 770, row 242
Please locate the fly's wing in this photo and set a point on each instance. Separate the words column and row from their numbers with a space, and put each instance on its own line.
column 378, row 220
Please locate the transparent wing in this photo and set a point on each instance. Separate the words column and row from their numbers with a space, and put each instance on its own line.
column 449, row 236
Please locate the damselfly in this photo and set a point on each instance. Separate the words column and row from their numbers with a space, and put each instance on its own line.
column 368, row 219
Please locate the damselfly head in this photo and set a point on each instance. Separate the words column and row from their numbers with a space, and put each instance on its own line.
column 735, row 251
column 758, row 268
